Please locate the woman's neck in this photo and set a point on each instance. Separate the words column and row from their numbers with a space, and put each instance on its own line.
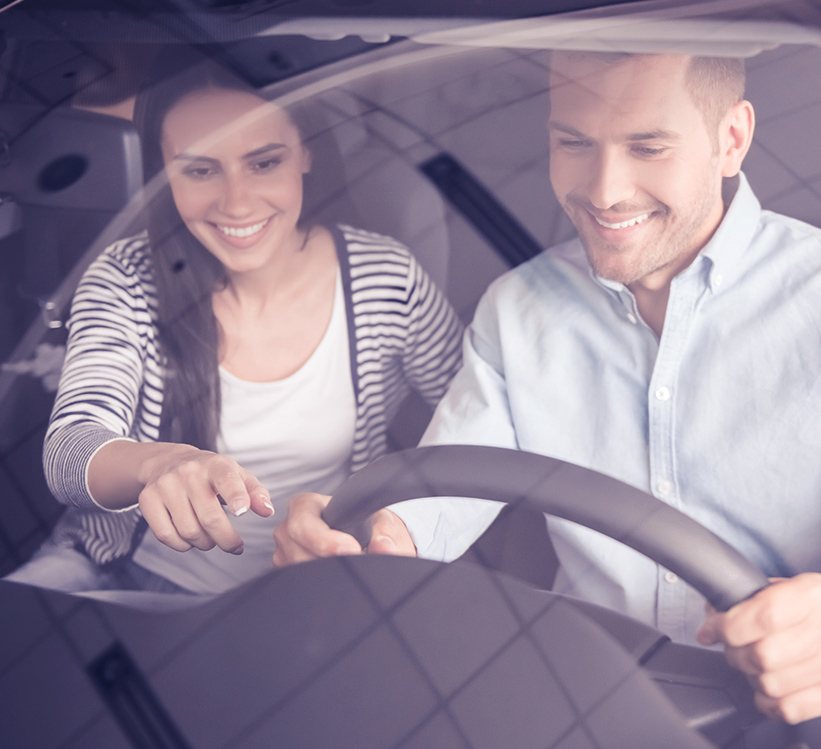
column 288, row 270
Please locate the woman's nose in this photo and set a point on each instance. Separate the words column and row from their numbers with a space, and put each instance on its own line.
column 611, row 180
column 236, row 199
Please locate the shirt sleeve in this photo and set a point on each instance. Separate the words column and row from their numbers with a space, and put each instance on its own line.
column 474, row 411
column 101, row 379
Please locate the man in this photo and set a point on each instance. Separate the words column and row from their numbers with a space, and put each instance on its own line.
column 674, row 345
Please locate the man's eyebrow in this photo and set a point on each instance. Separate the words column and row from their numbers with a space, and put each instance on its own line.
column 566, row 129
column 659, row 134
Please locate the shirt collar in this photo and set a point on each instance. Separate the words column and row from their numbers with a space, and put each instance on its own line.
column 734, row 234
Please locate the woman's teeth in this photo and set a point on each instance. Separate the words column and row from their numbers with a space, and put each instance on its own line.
column 623, row 224
column 244, row 231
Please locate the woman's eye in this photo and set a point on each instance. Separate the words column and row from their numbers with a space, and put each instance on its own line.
column 199, row 172
column 266, row 165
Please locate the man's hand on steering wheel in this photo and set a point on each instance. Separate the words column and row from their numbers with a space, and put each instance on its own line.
column 775, row 639
column 304, row 535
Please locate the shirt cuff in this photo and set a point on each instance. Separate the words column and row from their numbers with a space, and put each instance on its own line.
column 443, row 528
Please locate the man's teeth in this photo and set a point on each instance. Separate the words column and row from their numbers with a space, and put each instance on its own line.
column 244, row 231
column 624, row 224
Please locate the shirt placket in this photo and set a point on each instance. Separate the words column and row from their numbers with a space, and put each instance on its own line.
column 662, row 397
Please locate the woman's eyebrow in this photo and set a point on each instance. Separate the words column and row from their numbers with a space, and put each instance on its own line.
column 250, row 155
column 264, row 149
column 193, row 157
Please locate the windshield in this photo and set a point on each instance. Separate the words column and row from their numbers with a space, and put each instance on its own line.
column 454, row 137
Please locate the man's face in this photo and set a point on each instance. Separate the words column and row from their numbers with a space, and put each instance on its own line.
column 633, row 164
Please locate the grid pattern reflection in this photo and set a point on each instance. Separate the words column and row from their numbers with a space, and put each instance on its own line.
column 366, row 652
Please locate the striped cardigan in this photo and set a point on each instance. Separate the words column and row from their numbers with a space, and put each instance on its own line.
column 402, row 333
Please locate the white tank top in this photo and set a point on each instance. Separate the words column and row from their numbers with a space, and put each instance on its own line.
column 294, row 435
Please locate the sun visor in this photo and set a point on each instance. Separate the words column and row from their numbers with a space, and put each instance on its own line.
column 729, row 28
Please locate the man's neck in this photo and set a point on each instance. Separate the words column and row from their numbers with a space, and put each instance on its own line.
column 652, row 305
column 652, row 292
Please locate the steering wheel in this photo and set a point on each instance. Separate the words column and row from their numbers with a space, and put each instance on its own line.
column 665, row 535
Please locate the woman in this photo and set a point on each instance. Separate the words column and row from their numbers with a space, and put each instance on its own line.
column 229, row 357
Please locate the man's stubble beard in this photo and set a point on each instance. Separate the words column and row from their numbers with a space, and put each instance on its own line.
column 672, row 243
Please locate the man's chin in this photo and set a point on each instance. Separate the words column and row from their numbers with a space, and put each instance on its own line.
column 611, row 266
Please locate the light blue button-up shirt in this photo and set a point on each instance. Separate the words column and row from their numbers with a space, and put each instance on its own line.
column 720, row 418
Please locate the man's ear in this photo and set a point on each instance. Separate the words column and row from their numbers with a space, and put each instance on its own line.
column 735, row 136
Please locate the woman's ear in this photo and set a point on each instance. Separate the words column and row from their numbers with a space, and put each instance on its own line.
column 735, row 137
column 307, row 160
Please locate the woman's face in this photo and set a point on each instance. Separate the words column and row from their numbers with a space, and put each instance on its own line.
column 235, row 164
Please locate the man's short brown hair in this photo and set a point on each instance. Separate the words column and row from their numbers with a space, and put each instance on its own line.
column 715, row 83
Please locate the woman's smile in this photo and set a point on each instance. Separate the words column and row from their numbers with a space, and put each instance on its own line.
column 242, row 231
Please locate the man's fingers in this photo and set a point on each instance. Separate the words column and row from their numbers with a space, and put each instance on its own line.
column 775, row 638
column 783, row 605
column 793, row 708
column 316, row 545
column 794, row 647
column 390, row 536
column 789, row 680
column 304, row 535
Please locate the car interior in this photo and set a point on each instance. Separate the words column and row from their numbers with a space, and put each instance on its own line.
column 425, row 122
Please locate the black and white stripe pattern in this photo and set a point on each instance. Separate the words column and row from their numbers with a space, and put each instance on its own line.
column 402, row 334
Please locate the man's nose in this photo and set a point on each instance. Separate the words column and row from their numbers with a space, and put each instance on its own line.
column 611, row 180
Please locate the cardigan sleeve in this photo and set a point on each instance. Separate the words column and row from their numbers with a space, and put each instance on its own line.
column 433, row 347
column 404, row 334
column 103, row 374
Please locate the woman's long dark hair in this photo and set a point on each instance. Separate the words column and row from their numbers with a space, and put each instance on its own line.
column 185, row 273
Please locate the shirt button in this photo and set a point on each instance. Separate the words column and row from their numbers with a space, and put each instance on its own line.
column 670, row 577
column 632, row 318
column 663, row 394
column 717, row 280
column 665, row 487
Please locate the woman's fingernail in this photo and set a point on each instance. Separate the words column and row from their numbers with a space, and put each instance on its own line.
column 239, row 508
column 270, row 507
column 239, row 550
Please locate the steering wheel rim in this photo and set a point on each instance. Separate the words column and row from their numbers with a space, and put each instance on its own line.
column 667, row 536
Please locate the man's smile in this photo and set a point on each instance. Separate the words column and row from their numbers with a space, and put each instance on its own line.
column 622, row 224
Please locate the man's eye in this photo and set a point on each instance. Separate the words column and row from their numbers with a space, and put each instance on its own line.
column 574, row 144
column 650, row 150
